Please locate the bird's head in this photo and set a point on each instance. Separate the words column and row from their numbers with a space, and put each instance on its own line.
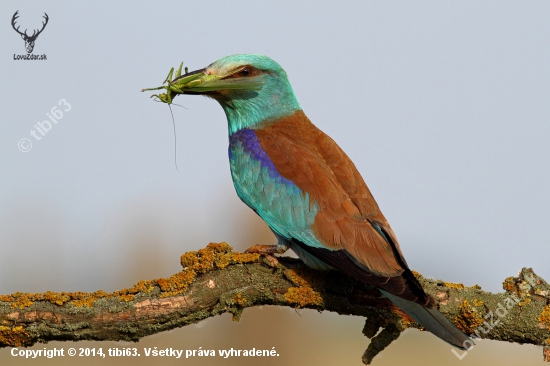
column 252, row 89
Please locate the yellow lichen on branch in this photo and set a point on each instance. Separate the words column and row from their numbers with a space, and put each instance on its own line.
column 216, row 280
column 238, row 299
column 544, row 317
column 469, row 318
column 303, row 296
column 15, row 336
column 78, row 299
column 214, row 256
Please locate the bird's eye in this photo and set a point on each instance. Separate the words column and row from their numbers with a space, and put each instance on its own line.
column 245, row 72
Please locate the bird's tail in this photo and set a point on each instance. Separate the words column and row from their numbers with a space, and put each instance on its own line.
column 432, row 320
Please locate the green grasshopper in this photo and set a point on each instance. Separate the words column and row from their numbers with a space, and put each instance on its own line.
column 201, row 82
column 174, row 88
column 198, row 82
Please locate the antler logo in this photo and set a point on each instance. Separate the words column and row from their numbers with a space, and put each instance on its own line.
column 29, row 40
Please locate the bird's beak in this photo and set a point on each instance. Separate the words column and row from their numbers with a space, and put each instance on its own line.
column 198, row 82
column 183, row 82
column 201, row 82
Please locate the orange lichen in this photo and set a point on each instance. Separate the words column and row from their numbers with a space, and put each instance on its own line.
column 144, row 286
column 86, row 302
column 478, row 302
column 214, row 256
column 305, row 277
column 416, row 274
column 127, row 294
column 459, row 285
column 189, row 259
column 58, row 298
column 222, row 261
column 509, row 284
column 176, row 284
column 303, row 296
column 79, row 299
column 469, row 318
column 86, row 299
column 544, row 317
column 126, row 298
column 299, row 277
column 21, row 300
column 222, row 247
column 244, row 257
column 206, row 259
column 210, row 257
column 14, row 336
column 239, row 299
column 520, row 287
column 5, row 298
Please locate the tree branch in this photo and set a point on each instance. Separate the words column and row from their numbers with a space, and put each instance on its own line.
column 216, row 280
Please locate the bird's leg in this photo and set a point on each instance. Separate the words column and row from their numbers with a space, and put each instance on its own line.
column 268, row 250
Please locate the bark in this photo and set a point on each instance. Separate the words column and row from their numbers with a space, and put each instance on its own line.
column 216, row 280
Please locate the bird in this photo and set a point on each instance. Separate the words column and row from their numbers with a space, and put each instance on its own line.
column 305, row 188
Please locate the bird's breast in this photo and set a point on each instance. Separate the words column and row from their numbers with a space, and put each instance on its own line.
column 278, row 200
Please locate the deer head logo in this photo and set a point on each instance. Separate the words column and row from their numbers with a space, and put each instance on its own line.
column 29, row 40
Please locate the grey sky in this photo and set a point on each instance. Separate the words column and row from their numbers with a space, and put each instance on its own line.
column 443, row 106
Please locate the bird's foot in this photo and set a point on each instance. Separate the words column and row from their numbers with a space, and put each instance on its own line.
column 271, row 261
column 268, row 251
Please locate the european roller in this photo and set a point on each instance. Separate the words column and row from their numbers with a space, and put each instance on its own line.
column 303, row 185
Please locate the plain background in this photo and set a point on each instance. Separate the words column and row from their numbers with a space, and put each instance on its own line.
column 442, row 105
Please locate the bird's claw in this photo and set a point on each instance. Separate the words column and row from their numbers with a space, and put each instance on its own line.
column 271, row 261
column 267, row 251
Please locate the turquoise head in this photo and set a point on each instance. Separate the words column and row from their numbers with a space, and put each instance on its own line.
column 252, row 89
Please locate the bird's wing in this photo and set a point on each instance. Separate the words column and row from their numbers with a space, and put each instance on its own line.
column 348, row 218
